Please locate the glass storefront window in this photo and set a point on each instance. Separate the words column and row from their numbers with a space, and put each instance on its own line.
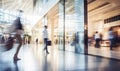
column 71, row 25
column 66, row 22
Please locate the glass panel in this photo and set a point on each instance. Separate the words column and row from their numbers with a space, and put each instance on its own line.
column 74, row 25
column 61, row 23
column 103, row 32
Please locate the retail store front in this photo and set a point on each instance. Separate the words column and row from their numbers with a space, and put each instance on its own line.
column 65, row 23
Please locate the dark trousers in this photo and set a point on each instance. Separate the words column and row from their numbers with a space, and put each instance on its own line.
column 18, row 37
column 97, row 43
column 45, row 43
column 112, row 43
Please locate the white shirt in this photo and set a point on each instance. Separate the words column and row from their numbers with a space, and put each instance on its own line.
column 97, row 36
column 111, row 35
column 45, row 33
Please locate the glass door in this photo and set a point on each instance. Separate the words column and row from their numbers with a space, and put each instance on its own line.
column 74, row 26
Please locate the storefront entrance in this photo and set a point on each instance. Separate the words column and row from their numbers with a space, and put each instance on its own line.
column 66, row 21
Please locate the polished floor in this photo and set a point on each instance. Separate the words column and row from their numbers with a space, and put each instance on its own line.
column 34, row 58
column 105, row 52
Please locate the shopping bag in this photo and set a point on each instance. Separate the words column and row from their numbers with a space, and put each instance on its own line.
column 49, row 42
column 9, row 43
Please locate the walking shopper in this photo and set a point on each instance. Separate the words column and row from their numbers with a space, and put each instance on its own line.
column 18, row 31
column 97, row 40
column 111, row 38
column 45, row 37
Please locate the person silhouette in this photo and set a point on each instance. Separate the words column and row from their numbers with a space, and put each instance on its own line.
column 97, row 40
column 18, row 31
column 111, row 38
column 45, row 36
column 37, row 41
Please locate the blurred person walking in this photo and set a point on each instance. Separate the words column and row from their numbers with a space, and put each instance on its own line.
column 19, row 31
column 77, row 41
column 111, row 38
column 17, row 28
column 97, row 40
column 45, row 37
column 36, row 40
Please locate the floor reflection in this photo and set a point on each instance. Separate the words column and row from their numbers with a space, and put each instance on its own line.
column 8, row 66
column 35, row 59
column 16, row 65
column 46, row 64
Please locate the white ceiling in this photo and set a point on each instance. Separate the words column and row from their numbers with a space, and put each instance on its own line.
column 97, row 9
column 15, row 5
column 102, row 9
